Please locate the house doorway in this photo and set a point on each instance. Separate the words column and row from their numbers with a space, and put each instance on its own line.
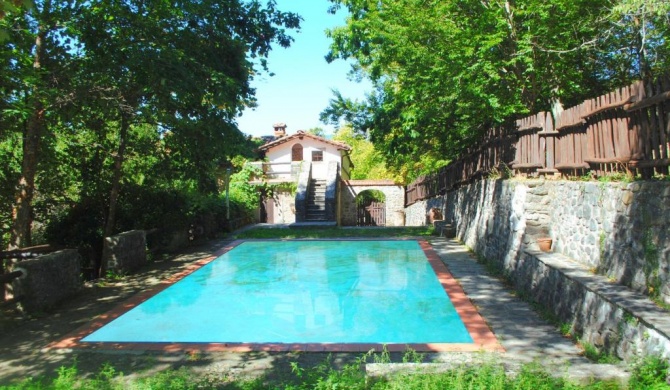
column 371, row 208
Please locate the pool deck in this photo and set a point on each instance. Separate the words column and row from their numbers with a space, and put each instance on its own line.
column 27, row 344
column 483, row 338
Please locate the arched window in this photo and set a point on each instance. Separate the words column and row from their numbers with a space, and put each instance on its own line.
column 296, row 152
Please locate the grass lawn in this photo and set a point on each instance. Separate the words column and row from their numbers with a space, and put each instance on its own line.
column 333, row 232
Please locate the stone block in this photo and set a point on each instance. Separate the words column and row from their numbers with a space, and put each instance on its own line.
column 125, row 252
column 47, row 280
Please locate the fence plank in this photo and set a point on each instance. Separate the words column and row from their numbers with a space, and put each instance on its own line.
column 626, row 129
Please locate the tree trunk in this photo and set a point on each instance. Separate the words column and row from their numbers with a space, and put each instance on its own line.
column 116, row 185
column 22, row 217
column 642, row 57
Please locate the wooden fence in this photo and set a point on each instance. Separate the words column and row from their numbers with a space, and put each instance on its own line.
column 625, row 131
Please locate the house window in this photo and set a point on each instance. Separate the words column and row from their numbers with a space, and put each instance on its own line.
column 296, row 152
column 317, row 155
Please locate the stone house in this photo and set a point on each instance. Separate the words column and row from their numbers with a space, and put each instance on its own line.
column 312, row 164
column 317, row 174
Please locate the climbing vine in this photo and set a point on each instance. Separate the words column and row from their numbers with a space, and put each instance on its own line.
column 247, row 185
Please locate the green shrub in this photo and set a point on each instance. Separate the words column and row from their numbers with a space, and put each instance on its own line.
column 650, row 373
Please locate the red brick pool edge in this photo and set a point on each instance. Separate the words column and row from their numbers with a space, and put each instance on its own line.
column 483, row 338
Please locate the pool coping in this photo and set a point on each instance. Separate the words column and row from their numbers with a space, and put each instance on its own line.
column 482, row 336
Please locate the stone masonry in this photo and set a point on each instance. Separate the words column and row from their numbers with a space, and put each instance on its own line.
column 125, row 252
column 611, row 246
column 47, row 280
column 619, row 230
column 394, row 194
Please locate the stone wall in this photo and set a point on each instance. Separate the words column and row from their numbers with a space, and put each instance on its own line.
column 395, row 198
column 615, row 233
column 417, row 213
column 620, row 230
column 125, row 252
column 47, row 280
column 600, row 313
column 332, row 179
column 304, row 178
column 284, row 207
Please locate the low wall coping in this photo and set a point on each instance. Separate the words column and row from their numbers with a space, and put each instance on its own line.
column 635, row 303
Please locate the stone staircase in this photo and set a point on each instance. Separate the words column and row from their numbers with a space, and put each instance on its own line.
column 316, row 201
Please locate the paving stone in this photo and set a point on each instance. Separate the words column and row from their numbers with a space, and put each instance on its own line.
column 524, row 335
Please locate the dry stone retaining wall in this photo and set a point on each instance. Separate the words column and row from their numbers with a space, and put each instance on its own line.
column 620, row 231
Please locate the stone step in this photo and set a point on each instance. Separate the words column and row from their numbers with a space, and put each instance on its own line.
column 315, row 218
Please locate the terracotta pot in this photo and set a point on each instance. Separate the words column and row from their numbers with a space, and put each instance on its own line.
column 544, row 244
column 433, row 215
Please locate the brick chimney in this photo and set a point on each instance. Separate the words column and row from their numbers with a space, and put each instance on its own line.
column 280, row 129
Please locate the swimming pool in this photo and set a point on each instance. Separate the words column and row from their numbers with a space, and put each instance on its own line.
column 305, row 293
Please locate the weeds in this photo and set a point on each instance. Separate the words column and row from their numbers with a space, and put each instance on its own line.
column 648, row 373
column 112, row 275
column 594, row 354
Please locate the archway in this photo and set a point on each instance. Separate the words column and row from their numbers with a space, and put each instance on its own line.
column 371, row 208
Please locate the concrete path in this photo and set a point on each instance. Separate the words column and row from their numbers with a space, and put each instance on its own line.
column 524, row 335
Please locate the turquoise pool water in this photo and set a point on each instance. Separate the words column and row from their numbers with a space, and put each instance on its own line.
column 300, row 292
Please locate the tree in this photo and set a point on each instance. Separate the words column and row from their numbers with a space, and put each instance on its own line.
column 317, row 131
column 115, row 66
column 38, row 71
column 445, row 71
column 368, row 163
column 637, row 39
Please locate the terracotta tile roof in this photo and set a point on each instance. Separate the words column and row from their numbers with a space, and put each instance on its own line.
column 300, row 135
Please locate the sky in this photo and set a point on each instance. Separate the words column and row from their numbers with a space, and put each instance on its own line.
column 302, row 85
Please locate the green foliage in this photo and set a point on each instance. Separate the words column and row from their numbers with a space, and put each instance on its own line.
column 143, row 100
column 650, row 373
column 368, row 162
column 242, row 192
column 592, row 353
column 368, row 196
column 317, row 131
column 445, row 71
